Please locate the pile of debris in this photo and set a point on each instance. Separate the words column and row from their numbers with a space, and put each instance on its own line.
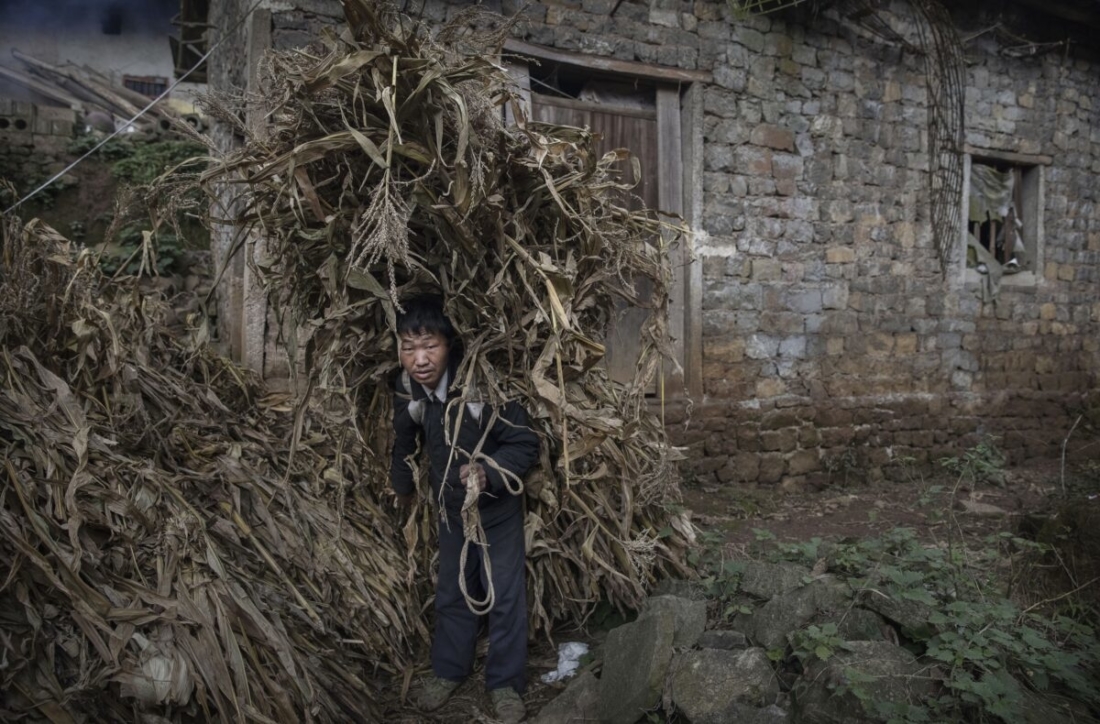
column 99, row 100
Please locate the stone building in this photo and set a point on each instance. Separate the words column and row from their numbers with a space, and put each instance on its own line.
column 129, row 41
column 826, row 311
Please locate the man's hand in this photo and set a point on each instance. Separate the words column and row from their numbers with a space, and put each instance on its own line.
column 475, row 474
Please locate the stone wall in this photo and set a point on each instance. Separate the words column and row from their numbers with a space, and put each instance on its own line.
column 833, row 336
column 33, row 141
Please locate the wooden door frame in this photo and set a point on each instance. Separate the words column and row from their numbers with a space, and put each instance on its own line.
column 680, row 152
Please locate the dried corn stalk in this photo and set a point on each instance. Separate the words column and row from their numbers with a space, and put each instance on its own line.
column 387, row 170
column 163, row 556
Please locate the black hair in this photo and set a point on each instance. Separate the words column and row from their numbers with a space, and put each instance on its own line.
column 424, row 315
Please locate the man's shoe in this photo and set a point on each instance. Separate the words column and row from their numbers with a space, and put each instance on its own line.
column 508, row 705
column 434, row 693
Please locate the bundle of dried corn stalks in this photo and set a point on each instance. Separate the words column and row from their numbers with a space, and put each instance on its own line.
column 168, row 555
column 162, row 555
column 386, row 170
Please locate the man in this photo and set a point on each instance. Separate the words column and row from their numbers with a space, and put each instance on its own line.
column 492, row 447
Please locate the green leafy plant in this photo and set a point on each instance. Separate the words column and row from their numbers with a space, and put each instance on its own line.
column 843, row 466
column 983, row 463
column 990, row 653
column 819, row 642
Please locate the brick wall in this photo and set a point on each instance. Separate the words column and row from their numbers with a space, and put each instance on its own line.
column 33, row 141
column 832, row 335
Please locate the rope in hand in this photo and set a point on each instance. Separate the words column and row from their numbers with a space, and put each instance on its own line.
column 473, row 532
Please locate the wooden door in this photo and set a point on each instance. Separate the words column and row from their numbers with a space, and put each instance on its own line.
column 618, row 127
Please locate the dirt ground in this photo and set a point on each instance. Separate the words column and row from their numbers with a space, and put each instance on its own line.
column 927, row 503
column 734, row 517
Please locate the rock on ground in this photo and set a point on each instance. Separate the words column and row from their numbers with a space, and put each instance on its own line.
column 770, row 624
column 711, row 686
column 767, row 580
column 859, row 624
column 636, row 660
column 690, row 617
column 896, row 677
column 578, row 703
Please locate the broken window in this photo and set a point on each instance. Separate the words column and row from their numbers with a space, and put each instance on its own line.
column 1003, row 224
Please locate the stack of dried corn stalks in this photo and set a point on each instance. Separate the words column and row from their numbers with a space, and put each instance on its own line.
column 162, row 555
column 169, row 556
column 387, row 170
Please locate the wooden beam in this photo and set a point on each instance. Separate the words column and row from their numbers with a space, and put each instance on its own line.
column 691, row 136
column 254, row 300
column 577, row 105
column 49, row 91
column 670, row 179
column 1024, row 159
column 597, row 63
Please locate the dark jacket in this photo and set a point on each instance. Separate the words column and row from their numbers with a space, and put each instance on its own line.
column 510, row 442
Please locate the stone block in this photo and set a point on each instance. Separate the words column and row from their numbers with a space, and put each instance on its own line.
column 766, row 270
column 774, row 137
column 806, row 302
column 834, row 297
column 793, row 347
column 905, row 345
column 772, row 467
column 55, row 113
column 772, row 387
column 801, row 462
column 840, row 255
column 753, row 161
column 779, row 440
column 664, row 18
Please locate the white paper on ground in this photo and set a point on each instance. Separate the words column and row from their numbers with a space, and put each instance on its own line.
column 569, row 660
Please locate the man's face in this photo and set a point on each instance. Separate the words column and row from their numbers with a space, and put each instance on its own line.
column 424, row 357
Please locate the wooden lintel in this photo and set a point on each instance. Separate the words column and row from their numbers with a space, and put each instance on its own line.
column 1023, row 159
column 659, row 73
column 549, row 100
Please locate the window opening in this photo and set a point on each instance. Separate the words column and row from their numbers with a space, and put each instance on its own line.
column 146, row 85
column 995, row 219
column 111, row 21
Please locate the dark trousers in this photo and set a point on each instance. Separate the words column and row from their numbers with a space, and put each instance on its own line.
column 456, row 627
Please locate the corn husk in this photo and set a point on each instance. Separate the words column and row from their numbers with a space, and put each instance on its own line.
column 386, row 169
column 182, row 544
column 162, row 553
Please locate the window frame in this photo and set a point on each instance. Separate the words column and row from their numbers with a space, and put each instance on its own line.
column 1033, row 182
